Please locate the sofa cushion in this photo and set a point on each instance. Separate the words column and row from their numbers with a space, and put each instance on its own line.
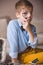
column 38, row 25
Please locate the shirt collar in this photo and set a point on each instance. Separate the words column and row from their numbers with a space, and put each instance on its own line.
column 20, row 24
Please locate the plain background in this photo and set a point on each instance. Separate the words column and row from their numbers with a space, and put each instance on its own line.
column 7, row 8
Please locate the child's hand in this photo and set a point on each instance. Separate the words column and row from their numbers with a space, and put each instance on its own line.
column 26, row 26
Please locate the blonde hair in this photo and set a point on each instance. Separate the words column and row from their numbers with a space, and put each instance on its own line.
column 21, row 3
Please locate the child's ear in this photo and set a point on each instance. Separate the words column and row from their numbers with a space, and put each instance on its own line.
column 17, row 14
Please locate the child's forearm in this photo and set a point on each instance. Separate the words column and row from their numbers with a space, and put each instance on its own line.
column 27, row 27
column 31, row 36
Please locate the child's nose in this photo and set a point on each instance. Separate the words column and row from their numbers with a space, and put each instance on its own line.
column 29, row 15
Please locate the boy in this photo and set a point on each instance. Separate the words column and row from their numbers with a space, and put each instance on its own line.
column 21, row 34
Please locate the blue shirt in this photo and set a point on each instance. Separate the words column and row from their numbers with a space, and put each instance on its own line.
column 19, row 40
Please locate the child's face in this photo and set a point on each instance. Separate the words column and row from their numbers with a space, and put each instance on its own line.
column 25, row 15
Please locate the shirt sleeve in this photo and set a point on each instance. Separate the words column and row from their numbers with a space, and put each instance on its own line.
column 34, row 44
column 12, row 40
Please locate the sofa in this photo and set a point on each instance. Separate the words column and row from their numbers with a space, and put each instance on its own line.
column 3, row 38
column 39, row 30
column 3, row 29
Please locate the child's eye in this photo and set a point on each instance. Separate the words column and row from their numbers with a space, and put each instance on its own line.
column 25, row 13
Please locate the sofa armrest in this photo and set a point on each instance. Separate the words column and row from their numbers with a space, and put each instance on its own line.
column 40, row 38
column 3, row 48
